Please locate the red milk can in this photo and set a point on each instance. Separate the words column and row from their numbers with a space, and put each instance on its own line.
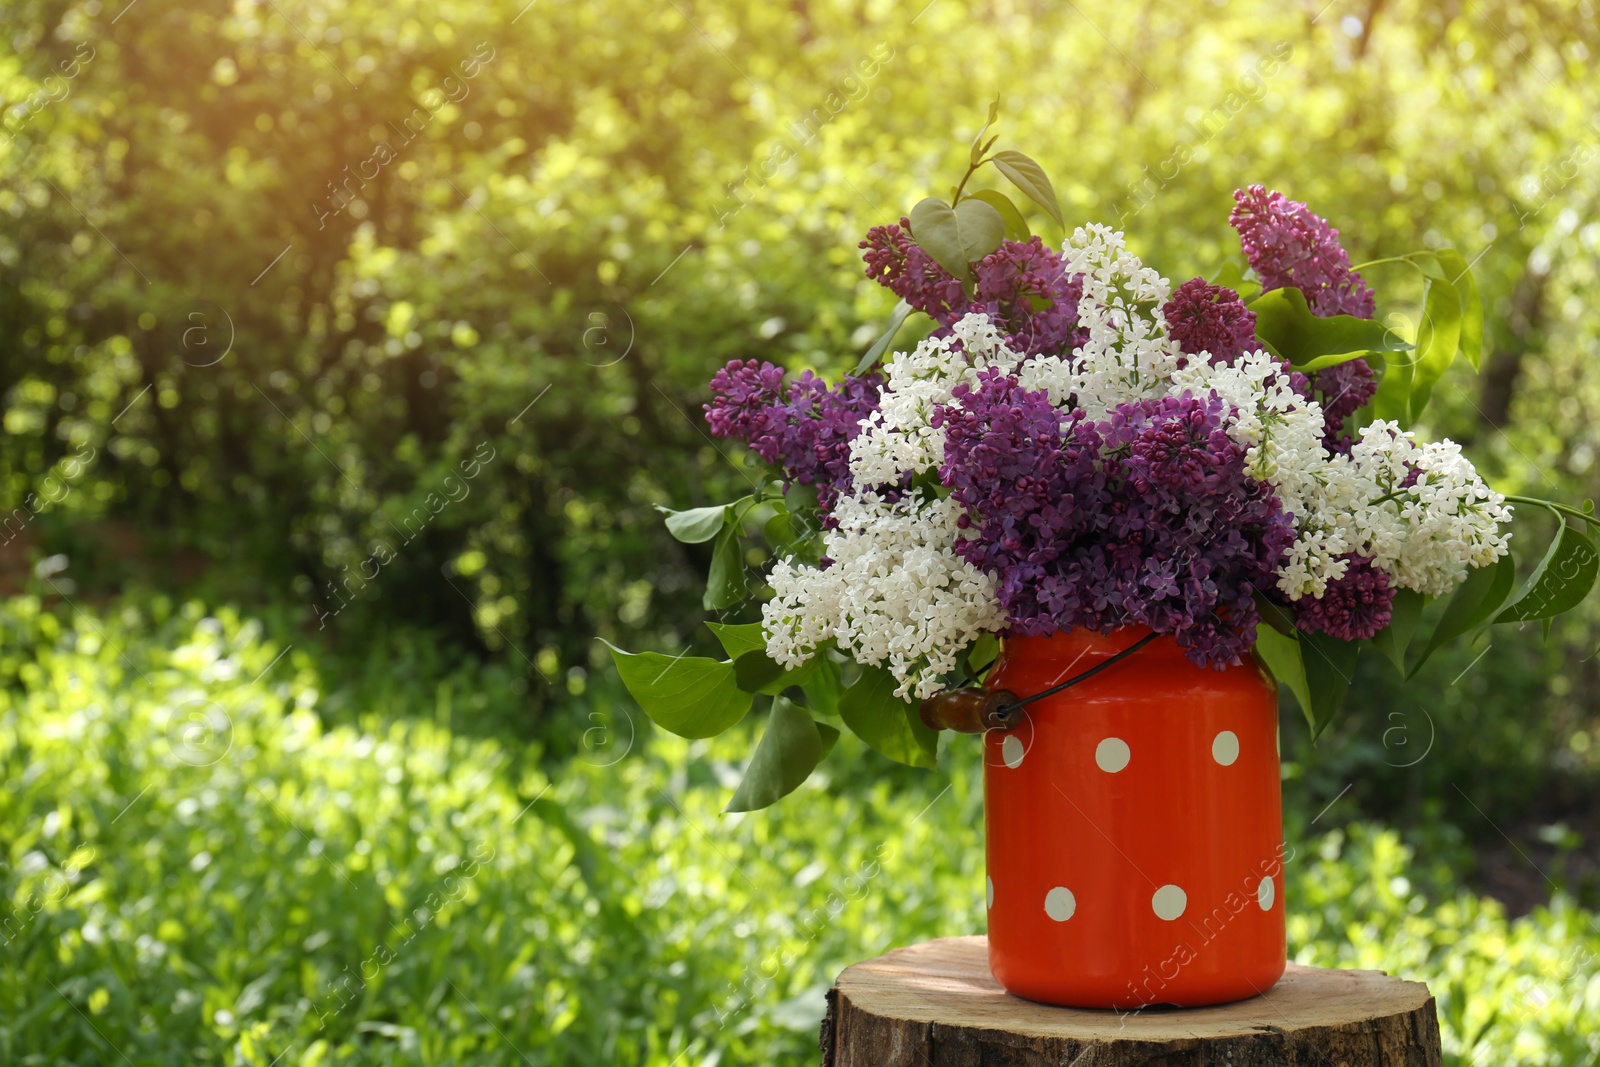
column 1134, row 827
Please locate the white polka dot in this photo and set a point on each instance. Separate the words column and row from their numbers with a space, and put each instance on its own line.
column 1060, row 904
column 1011, row 751
column 1169, row 902
column 1112, row 754
column 1225, row 749
column 1266, row 893
column 990, row 883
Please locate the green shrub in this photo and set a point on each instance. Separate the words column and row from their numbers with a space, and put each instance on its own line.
column 612, row 227
column 198, row 869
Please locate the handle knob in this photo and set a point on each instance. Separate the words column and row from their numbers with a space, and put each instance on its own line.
column 971, row 711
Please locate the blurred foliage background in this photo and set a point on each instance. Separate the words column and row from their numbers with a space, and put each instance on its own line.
column 384, row 326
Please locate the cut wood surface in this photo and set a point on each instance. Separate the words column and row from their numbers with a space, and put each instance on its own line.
column 935, row 1005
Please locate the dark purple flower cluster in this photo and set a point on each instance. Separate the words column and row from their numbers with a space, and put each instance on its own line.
column 896, row 262
column 1291, row 246
column 805, row 430
column 1021, row 286
column 1343, row 390
column 1210, row 318
column 1146, row 518
column 1354, row 607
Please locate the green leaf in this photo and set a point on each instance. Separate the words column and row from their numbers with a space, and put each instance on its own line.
column 1315, row 667
column 1309, row 342
column 957, row 237
column 1276, row 615
column 897, row 319
column 697, row 524
column 790, row 749
column 1452, row 323
column 984, row 652
column 1460, row 274
column 978, row 148
column 692, row 696
column 1231, row 275
column 725, row 584
column 1438, row 341
column 755, row 670
column 1016, row 225
column 887, row 723
column 1281, row 653
column 1474, row 600
column 1029, row 177
column 1329, row 664
column 794, row 528
column 823, row 686
column 1392, row 401
column 1560, row 582
column 738, row 638
column 1394, row 639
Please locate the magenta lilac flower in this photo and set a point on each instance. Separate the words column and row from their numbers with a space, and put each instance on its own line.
column 805, row 430
column 1291, row 247
column 1210, row 318
column 1354, row 607
column 744, row 395
column 1343, row 390
column 895, row 262
column 1021, row 286
column 1024, row 288
column 1145, row 518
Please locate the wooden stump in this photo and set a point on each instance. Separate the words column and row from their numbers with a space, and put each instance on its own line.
column 935, row 1005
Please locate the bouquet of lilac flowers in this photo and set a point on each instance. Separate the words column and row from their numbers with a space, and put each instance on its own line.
column 1077, row 443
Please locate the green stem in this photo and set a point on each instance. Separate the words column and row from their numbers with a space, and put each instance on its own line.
column 1559, row 509
column 971, row 170
column 1381, row 262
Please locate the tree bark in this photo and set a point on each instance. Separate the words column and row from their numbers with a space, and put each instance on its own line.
column 935, row 1005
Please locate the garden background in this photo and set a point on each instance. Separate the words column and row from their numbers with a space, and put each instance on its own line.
column 349, row 345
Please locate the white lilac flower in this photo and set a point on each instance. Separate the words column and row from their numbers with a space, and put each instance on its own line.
column 898, row 439
column 1128, row 355
column 896, row 593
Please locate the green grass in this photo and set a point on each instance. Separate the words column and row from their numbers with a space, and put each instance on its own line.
column 387, row 891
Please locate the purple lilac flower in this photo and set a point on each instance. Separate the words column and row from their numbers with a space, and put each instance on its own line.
column 1025, row 289
column 1354, row 607
column 1022, row 286
column 1290, row 246
column 1145, row 518
column 744, row 395
column 805, row 430
column 1210, row 318
column 896, row 262
column 1343, row 390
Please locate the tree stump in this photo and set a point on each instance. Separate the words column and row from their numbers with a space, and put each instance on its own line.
column 935, row 1005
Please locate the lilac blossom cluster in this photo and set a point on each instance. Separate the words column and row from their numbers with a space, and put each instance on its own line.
column 1342, row 389
column 1212, row 319
column 1145, row 518
column 1292, row 247
column 804, row 430
column 1022, row 287
column 1354, row 607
